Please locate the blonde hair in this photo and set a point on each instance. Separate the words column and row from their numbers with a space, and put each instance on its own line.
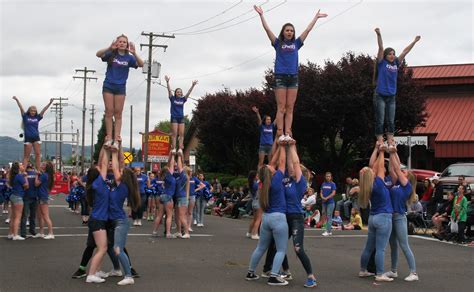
column 412, row 178
column 265, row 176
column 366, row 183
column 188, row 172
column 355, row 181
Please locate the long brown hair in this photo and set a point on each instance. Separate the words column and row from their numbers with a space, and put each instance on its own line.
column 281, row 36
column 366, row 183
column 49, row 170
column 92, row 174
column 265, row 176
column 129, row 178
column 376, row 68
column 14, row 170
column 115, row 52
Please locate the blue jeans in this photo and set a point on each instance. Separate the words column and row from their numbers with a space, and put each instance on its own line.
column 384, row 107
column 328, row 209
column 273, row 225
column 30, row 206
column 120, row 239
column 400, row 236
column 199, row 207
column 380, row 227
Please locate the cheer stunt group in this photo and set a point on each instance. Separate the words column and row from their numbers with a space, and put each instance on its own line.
column 277, row 188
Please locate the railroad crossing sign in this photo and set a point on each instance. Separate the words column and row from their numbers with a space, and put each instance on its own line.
column 127, row 157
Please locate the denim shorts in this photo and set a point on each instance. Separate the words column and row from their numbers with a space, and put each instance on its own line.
column 286, row 81
column 96, row 225
column 177, row 120
column 16, row 200
column 265, row 149
column 164, row 199
column 192, row 199
column 43, row 201
column 255, row 204
column 32, row 140
column 182, row 202
column 116, row 89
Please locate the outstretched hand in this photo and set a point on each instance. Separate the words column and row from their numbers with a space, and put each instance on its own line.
column 377, row 30
column 15, row 98
column 167, row 78
column 195, row 82
column 321, row 15
column 417, row 38
column 258, row 9
column 131, row 48
column 114, row 45
column 255, row 109
column 51, row 100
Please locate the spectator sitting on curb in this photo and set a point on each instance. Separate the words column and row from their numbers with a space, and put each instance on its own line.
column 309, row 199
column 355, row 222
column 337, row 220
column 312, row 217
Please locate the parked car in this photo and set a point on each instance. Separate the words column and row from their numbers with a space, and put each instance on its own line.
column 448, row 180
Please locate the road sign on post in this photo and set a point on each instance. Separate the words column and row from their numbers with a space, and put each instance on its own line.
column 127, row 157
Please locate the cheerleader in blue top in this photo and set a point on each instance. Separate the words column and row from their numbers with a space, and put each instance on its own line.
column 195, row 185
column 401, row 194
column 30, row 122
column 177, row 113
column 274, row 225
column 19, row 184
column 120, row 56
column 127, row 188
column 286, row 69
column 372, row 187
column 385, row 77
column 45, row 182
column 254, row 225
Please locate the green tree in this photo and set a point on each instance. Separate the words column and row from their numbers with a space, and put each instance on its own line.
column 165, row 125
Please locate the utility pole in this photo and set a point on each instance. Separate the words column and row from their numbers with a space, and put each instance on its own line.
column 55, row 109
column 84, row 78
column 92, row 120
column 59, row 111
column 131, row 127
column 151, row 36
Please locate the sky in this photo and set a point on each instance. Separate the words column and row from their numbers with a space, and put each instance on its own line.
column 219, row 43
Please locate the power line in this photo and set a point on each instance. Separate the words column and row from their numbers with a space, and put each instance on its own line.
column 208, row 19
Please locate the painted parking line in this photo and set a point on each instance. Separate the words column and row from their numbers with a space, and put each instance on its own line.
column 130, row 234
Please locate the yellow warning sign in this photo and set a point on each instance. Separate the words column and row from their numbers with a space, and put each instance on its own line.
column 127, row 157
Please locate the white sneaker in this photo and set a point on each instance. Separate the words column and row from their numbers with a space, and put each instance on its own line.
column 255, row 237
column 18, row 237
column 173, row 152
column 10, row 236
column 194, row 222
column 412, row 277
column 281, row 138
column 190, row 230
column 49, row 236
column 7, row 221
column 325, row 233
column 27, row 222
column 94, row 279
column 383, row 278
column 287, row 138
column 391, row 274
column 248, row 234
column 178, row 235
column 154, row 234
column 102, row 274
column 186, row 236
column 39, row 235
column 139, row 223
column 126, row 281
column 200, row 225
column 364, row 274
column 180, row 152
column 115, row 273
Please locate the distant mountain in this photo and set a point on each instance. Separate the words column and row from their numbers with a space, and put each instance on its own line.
column 12, row 150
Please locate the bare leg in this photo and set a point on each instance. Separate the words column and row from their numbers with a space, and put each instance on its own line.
column 26, row 153
column 280, row 95
column 119, row 101
column 181, row 135
column 289, row 107
column 109, row 113
column 257, row 220
column 169, row 217
column 174, row 134
column 190, row 214
column 37, row 148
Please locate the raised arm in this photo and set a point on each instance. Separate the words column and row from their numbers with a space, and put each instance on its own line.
column 275, row 154
column 191, row 89
column 282, row 159
column 379, row 167
column 22, row 111
column 167, row 79
column 132, row 50
column 391, row 171
column 115, row 165
column 103, row 162
column 401, row 57
column 43, row 111
column 259, row 118
column 305, row 33
column 267, row 29
column 171, row 162
column 295, row 160
column 373, row 156
column 380, row 43
column 396, row 166
column 180, row 162
column 100, row 53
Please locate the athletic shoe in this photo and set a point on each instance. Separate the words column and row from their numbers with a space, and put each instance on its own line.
column 108, row 143
column 277, row 281
column 27, row 222
column 383, row 278
column 49, row 236
column 180, row 152
column 18, row 237
column 115, row 273
column 195, row 222
column 79, row 274
column 242, row 210
column 126, row 281
column 200, row 225
column 190, row 230
column 39, row 235
column 391, row 274
column 287, row 138
column 412, row 277
column 255, row 237
column 287, row 276
column 251, row 276
column 178, row 235
column 134, row 273
column 325, row 233
column 154, row 234
column 7, row 221
column 102, row 274
column 310, row 283
column 266, row 274
column 281, row 138
column 94, row 279
column 4, row 212
column 364, row 274
column 186, row 236
column 170, row 236
column 10, row 236
column 248, row 234
column 173, row 152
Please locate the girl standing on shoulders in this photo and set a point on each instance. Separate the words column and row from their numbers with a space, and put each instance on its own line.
column 120, row 56
column 286, row 69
